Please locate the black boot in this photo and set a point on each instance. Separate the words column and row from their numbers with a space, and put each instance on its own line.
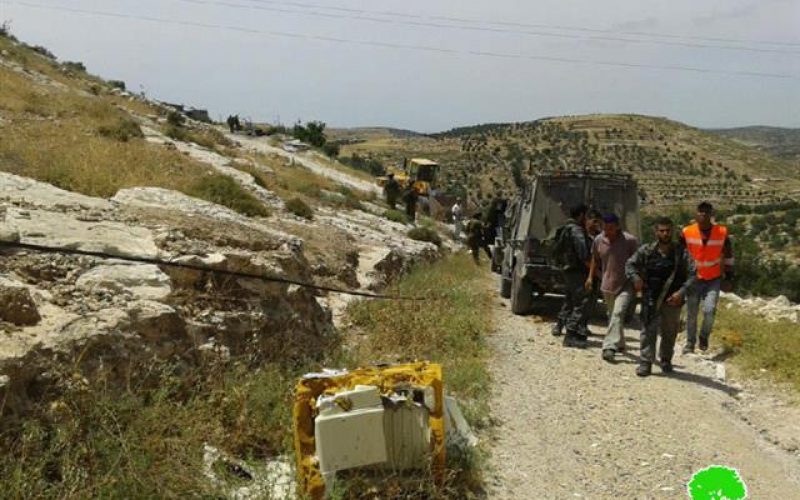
column 644, row 369
column 572, row 339
column 666, row 366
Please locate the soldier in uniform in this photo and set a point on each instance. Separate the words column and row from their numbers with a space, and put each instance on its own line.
column 475, row 240
column 391, row 190
column 410, row 198
column 575, row 311
column 664, row 273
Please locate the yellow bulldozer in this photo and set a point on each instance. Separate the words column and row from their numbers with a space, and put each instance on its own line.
column 424, row 172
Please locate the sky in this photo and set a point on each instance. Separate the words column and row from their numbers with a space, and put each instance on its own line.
column 430, row 65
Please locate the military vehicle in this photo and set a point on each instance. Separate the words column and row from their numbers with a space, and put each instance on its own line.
column 524, row 249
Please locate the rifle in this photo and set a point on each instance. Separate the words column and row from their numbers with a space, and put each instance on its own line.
column 647, row 305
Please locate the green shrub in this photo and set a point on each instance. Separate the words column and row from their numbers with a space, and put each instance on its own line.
column 5, row 30
column 366, row 164
column 331, row 149
column 300, row 208
column 75, row 66
column 339, row 200
column 123, row 130
column 313, row 133
column 208, row 138
column 43, row 51
column 117, row 84
column 396, row 216
column 175, row 119
column 176, row 132
column 225, row 191
column 423, row 233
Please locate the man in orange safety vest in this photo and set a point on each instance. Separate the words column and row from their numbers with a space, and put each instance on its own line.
column 710, row 246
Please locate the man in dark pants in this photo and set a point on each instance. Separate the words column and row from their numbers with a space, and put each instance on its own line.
column 410, row 198
column 575, row 311
column 664, row 273
column 475, row 238
column 391, row 190
column 594, row 226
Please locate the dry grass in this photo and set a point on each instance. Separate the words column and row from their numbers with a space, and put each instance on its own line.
column 449, row 329
column 85, row 143
column 760, row 348
column 147, row 441
column 53, row 135
column 297, row 182
column 72, row 157
column 207, row 137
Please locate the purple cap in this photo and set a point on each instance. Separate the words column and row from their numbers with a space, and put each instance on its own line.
column 611, row 219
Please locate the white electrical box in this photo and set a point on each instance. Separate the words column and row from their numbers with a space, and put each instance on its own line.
column 408, row 435
column 349, row 430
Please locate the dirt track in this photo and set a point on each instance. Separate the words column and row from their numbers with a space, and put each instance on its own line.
column 573, row 426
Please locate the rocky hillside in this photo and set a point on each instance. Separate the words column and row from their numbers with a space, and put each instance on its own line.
column 86, row 165
column 674, row 163
column 780, row 142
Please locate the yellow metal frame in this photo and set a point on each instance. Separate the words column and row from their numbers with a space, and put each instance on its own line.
column 422, row 374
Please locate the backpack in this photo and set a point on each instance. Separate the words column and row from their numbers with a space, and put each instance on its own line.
column 563, row 253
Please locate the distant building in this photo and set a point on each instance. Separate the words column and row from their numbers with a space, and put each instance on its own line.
column 200, row 115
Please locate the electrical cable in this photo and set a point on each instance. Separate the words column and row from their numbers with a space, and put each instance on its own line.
column 429, row 24
column 195, row 267
column 422, row 48
column 526, row 24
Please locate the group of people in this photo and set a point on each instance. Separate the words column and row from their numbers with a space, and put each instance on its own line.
column 393, row 191
column 481, row 228
column 603, row 259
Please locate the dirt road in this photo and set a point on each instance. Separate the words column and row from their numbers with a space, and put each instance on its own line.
column 573, row 426
column 308, row 159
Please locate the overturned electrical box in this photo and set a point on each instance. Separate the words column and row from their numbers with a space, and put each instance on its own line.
column 388, row 417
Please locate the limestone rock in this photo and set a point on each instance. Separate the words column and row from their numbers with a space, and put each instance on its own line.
column 17, row 306
column 142, row 281
column 40, row 194
column 57, row 229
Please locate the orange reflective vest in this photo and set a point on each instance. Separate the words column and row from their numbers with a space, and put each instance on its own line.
column 708, row 256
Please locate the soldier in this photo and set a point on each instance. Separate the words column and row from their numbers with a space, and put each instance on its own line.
column 610, row 251
column 391, row 191
column 664, row 273
column 475, row 240
column 711, row 248
column 573, row 242
column 410, row 198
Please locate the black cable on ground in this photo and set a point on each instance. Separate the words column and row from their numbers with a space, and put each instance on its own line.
column 205, row 269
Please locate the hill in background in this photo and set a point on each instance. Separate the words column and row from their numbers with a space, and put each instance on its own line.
column 780, row 142
column 675, row 164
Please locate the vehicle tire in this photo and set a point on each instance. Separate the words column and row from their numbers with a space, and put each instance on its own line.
column 521, row 294
column 505, row 287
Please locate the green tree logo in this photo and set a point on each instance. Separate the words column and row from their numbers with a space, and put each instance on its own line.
column 717, row 483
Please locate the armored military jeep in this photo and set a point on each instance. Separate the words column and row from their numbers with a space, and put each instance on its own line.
column 525, row 250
